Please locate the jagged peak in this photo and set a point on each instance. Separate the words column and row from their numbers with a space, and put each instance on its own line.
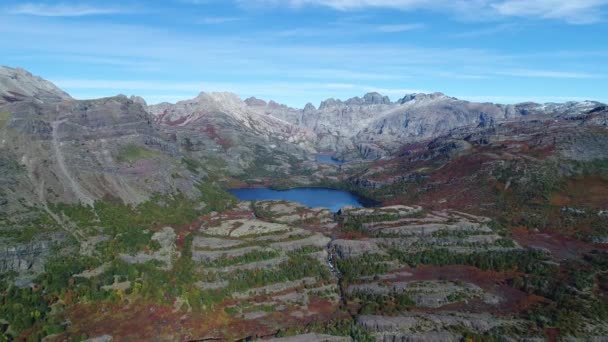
column 139, row 100
column 255, row 102
column 309, row 108
column 331, row 102
column 273, row 104
column 418, row 97
column 372, row 98
column 219, row 98
column 376, row 98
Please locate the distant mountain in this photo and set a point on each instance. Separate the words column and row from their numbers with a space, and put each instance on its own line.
column 372, row 125
column 17, row 84
column 70, row 150
column 375, row 126
column 207, row 106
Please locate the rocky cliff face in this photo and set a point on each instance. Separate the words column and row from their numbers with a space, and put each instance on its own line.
column 242, row 134
column 249, row 115
column 373, row 126
column 87, row 150
column 17, row 84
column 54, row 149
column 81, row 151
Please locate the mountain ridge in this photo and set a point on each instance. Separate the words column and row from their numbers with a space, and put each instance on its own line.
column 17, row 84
column 369, row 127
column 119, row 209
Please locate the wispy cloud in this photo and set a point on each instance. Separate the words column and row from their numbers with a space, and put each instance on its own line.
column 159, row 85
column 571, row 11
column 158, row 91
column 345, row 5
column 399, row 92
column 218, row 20
column 292, row 71
column 462, row 76
column 347, row 29
column 521, row 99
column 547, row 74
column 399, row 28
column 63, row 10
column 488, row 31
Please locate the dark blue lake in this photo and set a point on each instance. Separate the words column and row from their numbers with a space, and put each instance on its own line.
column 327, row 159
column 310, row 197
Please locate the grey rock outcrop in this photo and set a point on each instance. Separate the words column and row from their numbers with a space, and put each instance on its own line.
column 139, row 100
column 24, row 257
column 255, row 102
column 17, row 84
column 80, row 151
column 222, row 126
column 373, row 126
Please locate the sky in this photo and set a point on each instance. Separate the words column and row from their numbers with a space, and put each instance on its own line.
column 299, row 51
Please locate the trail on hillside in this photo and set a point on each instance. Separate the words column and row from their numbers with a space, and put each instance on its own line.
column 74, row 185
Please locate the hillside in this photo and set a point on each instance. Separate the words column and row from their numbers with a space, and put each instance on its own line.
column 491, row 220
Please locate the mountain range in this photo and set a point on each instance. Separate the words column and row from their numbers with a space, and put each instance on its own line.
column 74, row 147
column 488, row 219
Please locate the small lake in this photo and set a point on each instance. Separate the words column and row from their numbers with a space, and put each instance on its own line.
column 310, row 197
column 327, row 159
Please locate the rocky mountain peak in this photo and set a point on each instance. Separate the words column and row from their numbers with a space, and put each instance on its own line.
column 275, row 105
column 255, row 102
column 17, row 84
column 139, row 100
column 329, row 103
column 419, row 97
column 217, row 100
column 376, row 98
column 368, row 99
column 309, row 108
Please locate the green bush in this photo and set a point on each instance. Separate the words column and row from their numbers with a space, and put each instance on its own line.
column 132, row 153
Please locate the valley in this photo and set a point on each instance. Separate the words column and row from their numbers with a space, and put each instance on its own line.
column 425, row 219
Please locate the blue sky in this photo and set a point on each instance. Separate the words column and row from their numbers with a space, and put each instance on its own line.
column 298, row 51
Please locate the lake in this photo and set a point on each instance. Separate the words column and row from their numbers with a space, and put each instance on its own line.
column 327, row 159
column 310, row 197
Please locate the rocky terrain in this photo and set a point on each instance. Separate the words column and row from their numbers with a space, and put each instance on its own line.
column 370, row 127
column 486, row 222
column 373, row 126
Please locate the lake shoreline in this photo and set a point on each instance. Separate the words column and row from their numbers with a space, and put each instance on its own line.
column 310, row 196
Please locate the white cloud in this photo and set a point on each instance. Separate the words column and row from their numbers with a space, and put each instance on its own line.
column 462, row 76
column 288, row 71
column 218, row 20
column 339, row 86
column 347, row 5
column 488, row 31
column 163, row 86
column 547, row 74
column 520, row 99
column 399, row 28
column 347, row 29
column 571, row 11
column 63, row 10
column 399, row 92
column 155, row 91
